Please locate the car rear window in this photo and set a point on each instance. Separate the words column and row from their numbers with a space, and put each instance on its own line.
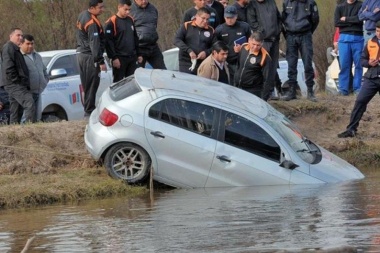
column 124, row 88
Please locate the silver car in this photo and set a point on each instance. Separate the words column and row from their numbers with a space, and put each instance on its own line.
column 194, row 132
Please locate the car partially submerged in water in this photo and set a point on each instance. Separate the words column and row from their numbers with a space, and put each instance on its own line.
column 195, row 132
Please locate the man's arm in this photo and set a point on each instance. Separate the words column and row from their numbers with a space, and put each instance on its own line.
column 110, row 40
column 253, row 17
column 95, row 43
column 314, row 16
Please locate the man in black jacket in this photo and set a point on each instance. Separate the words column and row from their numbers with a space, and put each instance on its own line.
column 16, row 79
column 300, row 18
column 90, row 45
column 190, row 14
column 263, row 16
column 194, row 40
column 145, row 16
column 122, row 42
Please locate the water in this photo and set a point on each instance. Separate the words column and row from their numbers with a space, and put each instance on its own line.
column 255, row 219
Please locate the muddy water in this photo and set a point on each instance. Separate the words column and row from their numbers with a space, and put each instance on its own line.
column 256, row 219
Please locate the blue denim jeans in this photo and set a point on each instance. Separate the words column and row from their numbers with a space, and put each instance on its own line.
column 303, row 44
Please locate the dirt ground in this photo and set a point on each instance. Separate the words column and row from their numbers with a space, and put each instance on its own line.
column 48, row 147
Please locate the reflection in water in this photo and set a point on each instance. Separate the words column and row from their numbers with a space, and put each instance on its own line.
column 255, row 219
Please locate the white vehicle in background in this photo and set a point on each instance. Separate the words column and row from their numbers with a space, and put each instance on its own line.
column 171, row 62
column 62, row 99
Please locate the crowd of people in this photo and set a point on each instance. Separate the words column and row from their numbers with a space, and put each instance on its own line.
column 356, row 38
column 237, row 44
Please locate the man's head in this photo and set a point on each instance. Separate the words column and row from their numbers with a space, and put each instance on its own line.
column 142, row 3
column 202, row 17
column 16, row 36
column 378, row 30
column 243, row 2
column 219, row 51
column 224, row 2
column 230, row 15
column 199, row 4
column 123, row 8
column 27, row 45
column 96, row 7
column 255, row 41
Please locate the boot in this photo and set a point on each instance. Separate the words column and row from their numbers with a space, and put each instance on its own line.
column 290, row 94
column 311, row 96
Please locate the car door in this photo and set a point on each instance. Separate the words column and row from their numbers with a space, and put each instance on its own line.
column 245, row 155
column 63, row 92
column 180, row 133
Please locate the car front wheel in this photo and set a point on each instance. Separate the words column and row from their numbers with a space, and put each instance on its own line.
column 128, row 162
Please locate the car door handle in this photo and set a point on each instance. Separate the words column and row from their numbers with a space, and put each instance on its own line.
column 157, row 134
column 223, row 158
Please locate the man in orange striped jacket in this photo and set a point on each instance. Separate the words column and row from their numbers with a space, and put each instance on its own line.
column 90, row 45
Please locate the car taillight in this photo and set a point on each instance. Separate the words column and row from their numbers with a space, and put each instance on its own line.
column 107, row 118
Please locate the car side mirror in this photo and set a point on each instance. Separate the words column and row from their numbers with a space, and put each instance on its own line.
column 287, row 164
column 57, row 73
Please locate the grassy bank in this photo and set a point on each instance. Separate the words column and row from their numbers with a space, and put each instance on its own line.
column 48, row 163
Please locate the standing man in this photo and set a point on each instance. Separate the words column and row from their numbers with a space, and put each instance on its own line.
column 189, row 14
column 224, row 3
column 350, row 45
column 263, row 16
column 38, row 76
column 145, row 16
column 194, row 40
column 371, row 84
column 215, row 66
column 233, row 33
column 122, row 42
column 218, row 7
column 253, row 58
column 300, row 18
column 16, row 79
column 370, row 13
column 241, row 6
column 90, row 45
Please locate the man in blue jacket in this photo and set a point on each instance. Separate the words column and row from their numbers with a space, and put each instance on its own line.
column 370, row 13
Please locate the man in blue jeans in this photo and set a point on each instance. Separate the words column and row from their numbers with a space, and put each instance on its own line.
column 350, row 44
column 371, row 84
column 300, row 18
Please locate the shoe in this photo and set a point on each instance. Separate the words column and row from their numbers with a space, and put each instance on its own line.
column 311, row 96
column 347, row 134
column 290, row 94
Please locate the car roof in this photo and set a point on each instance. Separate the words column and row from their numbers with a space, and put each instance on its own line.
column 52, row 53
column 213, row 91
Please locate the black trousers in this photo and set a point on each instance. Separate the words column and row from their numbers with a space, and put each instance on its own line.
column 368, row 90
column 20, row 98
column 127, row 67
column 90, row 78
column 153, row 55
column 270, row 69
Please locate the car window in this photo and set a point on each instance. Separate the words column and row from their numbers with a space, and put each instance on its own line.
column 247, row 135
column 69, row 63
column 124, row 88
column 171, row 60
column 189, row 115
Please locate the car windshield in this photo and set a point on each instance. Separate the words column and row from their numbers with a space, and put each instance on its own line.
column 303, row 147
column 46, row 60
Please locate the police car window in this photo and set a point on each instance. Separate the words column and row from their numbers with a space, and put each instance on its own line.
column 189, row 115
column 247, row 135
column 69, row 63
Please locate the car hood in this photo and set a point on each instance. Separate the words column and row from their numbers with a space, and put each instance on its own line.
column 333, row 169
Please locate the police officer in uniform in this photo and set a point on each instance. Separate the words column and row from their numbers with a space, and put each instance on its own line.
column 233, row 33
column 90, row 45
column 300, row 18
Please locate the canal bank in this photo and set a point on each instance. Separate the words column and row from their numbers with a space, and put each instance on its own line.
column 47, row 163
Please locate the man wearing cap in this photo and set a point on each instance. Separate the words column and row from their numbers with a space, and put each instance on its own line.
column 241, row 7
column 233, row 33
column 263, row 16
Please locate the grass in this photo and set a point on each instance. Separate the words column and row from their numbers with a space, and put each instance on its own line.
column 62, row 187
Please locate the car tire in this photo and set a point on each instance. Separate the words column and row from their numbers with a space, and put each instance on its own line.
column 128, row 162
